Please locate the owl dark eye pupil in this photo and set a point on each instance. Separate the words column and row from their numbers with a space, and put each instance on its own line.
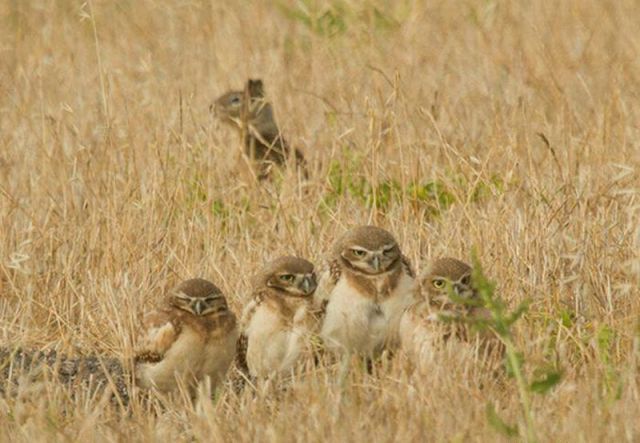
column 235, row 100
column 438, row 283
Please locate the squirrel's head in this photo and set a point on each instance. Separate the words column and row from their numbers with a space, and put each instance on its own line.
column 230, row 106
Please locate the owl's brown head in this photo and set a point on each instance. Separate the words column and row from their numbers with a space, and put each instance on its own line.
column 197, row 296
column 288, row 276
column 368, row 249
column 448, row 276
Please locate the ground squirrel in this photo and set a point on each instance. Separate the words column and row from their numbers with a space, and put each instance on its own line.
column 252, row 115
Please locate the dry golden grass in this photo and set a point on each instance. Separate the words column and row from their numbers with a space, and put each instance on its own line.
column 511, row 127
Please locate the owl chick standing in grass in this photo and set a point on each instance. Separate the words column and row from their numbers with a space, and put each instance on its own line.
column 278, row 322
column 366, row 287
column 189, row 338
column 449, row 313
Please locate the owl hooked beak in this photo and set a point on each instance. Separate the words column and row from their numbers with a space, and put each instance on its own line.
column 198, row 306
column 459, row 290
column 375, row 263
column 308, row 285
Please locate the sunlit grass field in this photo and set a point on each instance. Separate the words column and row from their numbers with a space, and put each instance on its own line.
column 508, row 128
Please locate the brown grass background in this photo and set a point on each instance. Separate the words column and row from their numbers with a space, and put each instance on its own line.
column 116, row 183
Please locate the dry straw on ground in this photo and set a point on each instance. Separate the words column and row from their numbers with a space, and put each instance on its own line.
column 508, row 126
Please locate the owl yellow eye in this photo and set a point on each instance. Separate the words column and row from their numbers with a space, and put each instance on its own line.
column 439, row 283
column 287, row 278
column 358, row 252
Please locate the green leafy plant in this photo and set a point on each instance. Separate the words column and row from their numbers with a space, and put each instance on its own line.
column 327, row 21
column 196, row 190
column 345, row 179
column 334, row 18
column 432, row 195
column 501, row 321
column 612, row 384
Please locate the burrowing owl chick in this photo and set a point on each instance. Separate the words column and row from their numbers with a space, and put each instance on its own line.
column 190, row 337
column 278, row 321
column 366, row 287
column 438, row 317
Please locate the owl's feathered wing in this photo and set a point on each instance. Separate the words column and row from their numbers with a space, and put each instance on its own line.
column 158, row 333
column 243, row 341
column 406, row 266
column 329, row 275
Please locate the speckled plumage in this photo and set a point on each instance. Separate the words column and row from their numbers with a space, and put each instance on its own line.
column 435, row 318
column 191, row 336
column 278, row 321
column 364, row 289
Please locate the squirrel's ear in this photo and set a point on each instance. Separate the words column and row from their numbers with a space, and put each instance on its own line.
column 255, row 88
